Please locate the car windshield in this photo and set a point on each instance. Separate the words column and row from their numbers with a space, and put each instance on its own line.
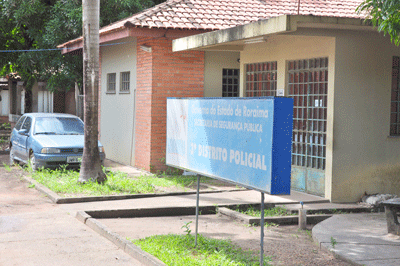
column 58, row 126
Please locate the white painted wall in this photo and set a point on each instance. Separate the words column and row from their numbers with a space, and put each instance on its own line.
column 214, row 62
column 45, row 101
column 5, row 103
column 117, row 110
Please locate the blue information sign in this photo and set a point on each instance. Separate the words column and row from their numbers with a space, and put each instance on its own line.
column 246, row 141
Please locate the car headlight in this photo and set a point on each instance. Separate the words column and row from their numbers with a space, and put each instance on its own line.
column 50, row 150
column 101, row 149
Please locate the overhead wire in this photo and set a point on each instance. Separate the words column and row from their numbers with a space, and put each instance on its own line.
column 55, row 49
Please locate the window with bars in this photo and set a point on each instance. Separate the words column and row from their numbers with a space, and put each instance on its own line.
column 308, row 86
column 230, row 82
column 261, row 79
column 111, row 79
column 395, row 98
column 125, row 82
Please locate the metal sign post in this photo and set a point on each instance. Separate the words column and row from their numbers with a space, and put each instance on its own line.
column 262, row 231
column 197, row 210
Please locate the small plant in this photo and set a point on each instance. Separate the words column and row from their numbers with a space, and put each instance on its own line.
column 162, row 160
column 63, row 168
column 335, row 211
column 333, row 242
column 5, row 126
column 295, row 235
column 216, row 208
column 266, row 224
column 31, row 186
column 7, row 167
column 308, row 232
column 186, row 228
column 170, row 170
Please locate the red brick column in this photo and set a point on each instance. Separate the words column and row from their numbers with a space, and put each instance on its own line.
column 144, row 85
column 161, row 74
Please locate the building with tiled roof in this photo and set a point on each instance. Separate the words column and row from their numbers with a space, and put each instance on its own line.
column 341, row 73
column 221, row 14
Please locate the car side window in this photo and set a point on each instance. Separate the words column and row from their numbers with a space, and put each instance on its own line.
column 19, row 123
column 27, row 124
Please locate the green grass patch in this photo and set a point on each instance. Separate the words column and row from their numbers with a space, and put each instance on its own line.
column 177, row 250
column 190, row 181
column 65, row 182
column 275, row 211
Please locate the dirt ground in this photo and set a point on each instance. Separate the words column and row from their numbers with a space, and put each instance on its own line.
column 17, row 197
column 285, row 244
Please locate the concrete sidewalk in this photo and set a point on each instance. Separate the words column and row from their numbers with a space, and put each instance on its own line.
column 359, row 238
column 54, row 237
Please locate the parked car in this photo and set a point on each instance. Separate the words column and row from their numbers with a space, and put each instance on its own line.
column 48, row 140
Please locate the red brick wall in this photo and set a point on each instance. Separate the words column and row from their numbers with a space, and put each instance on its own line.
column 161, row 74
column 70, row 104
column 144, row 84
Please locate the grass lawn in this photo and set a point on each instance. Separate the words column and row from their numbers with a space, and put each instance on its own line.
column 65, row 183
column 179, row 250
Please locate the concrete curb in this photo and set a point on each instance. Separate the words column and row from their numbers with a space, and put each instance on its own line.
column 50, row 194
column 89, row 219
column 151, row 212
column 292, row 219
column 127, row 246
column 190, row 210
column 60, row 200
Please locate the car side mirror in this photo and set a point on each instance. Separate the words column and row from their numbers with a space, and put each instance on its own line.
column 23, row 132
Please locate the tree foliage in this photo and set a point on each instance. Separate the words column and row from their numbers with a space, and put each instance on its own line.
column 385, row 15
column 36, row 26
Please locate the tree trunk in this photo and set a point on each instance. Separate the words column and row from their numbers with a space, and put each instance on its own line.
column 91, row 166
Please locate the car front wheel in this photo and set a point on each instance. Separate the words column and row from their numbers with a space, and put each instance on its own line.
column 32, row 162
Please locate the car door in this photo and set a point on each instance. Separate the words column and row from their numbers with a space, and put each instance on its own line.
column 15, row 138
column 23, row 139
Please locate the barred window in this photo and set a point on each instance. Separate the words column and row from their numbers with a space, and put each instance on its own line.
column 261, row 79
column 395, row 98
column 230, row 82
column 308, row 86
column 111, row 77
column 125, row 82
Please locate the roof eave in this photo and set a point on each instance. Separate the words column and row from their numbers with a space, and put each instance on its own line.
column 275, row 25
column 108, row 36
column 131, row 31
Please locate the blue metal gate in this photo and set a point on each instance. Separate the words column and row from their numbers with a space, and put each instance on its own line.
column 308, row 86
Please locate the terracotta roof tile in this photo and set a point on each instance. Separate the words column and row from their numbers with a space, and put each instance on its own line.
column 221, row 14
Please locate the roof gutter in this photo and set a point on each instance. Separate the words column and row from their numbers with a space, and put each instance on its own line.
column 262, row 28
